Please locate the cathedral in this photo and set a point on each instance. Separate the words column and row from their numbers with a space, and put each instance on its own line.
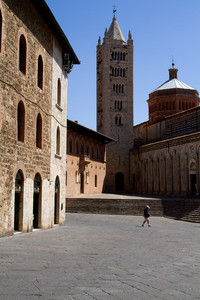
column 157, row 157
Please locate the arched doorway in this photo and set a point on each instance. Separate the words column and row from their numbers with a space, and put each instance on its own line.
column 119, row 182
column 82, row 183
column 56, row 200
column 37, row 201
column 18, row 206
column 193, row 179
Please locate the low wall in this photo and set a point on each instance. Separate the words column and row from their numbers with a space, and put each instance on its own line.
column 180, row 209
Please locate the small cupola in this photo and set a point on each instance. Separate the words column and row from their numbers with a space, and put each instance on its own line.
column 173, row 72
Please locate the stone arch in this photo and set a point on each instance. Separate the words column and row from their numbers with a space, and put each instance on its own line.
column 56, row 200
column 37, row 201
column 192, row 177
column 18, row 202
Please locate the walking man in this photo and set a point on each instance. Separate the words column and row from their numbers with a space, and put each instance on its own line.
column 146, row 216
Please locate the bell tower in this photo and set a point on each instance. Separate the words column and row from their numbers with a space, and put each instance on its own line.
column 115, row 103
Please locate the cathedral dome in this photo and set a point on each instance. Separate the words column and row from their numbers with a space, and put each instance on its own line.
column 171, row 97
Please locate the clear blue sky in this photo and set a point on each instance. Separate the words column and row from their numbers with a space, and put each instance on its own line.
column 161, row 29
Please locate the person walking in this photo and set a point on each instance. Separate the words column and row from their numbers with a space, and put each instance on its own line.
column 146, row 216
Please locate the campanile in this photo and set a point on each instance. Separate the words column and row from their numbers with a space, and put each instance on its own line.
column 115, row 103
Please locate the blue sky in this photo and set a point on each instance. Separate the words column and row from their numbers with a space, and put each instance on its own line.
column 161, row 29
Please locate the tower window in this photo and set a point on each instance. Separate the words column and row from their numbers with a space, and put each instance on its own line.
column 58, row 141
column 59, row 92
column 39, row 131
column 22, row 54
column 40, row 72
column 20, row 121
column 70, row 145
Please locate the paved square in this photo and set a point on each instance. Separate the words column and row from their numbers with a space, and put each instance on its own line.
column 103, row 257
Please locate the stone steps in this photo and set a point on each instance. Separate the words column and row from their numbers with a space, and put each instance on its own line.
column 181, row 209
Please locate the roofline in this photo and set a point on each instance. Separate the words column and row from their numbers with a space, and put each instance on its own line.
column 98, row 135
column 49, row 18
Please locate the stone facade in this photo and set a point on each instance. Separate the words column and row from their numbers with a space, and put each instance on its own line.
column 115, row 103
column 86, row 160
column 31, row 61
column 165, row 159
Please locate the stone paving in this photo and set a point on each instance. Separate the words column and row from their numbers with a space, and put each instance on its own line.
column 103, row 257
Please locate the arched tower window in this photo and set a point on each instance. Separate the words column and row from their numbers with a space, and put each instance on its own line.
column 58, row 141
column 0, row 31
column 39, row 131
column 20, row 121
column 40, row 72
column 70, row 145
column 22, row 54
column 59, row 92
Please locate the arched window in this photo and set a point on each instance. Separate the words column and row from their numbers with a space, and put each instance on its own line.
column 40, row 72
column 77, row 147
column 113, row 88
column 82, row 148
column 58, row 141
column 20, row 121
column 0, row 31
column 22, row 54
column 70, row 145
column 39, row 131
column 59, row 92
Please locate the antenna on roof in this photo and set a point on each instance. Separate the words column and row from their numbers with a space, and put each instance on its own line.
column 114, row 9
column 172, row 61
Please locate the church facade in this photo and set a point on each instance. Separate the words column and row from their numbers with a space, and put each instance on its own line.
column 35, row 63
column 157, row 157
column 165, row 159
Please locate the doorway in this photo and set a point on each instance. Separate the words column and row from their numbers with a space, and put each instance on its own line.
column 56, row 200
column 119, row 182
column 193, row 182
column 18, row 206
column 82, row 183
column 37, row 202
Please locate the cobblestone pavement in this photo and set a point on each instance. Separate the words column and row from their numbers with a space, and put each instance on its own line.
column 103, row 257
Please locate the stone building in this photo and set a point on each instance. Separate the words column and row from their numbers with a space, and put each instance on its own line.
column 86, row 160
column 115, row 103
column 35, row 59
column 165, row 159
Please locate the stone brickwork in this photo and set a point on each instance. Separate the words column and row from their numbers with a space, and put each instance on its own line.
column 28, row 118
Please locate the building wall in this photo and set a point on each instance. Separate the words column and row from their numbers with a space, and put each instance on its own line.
column 169, row 167
column 59, row 122
column 86, row 162
column 25, row 156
